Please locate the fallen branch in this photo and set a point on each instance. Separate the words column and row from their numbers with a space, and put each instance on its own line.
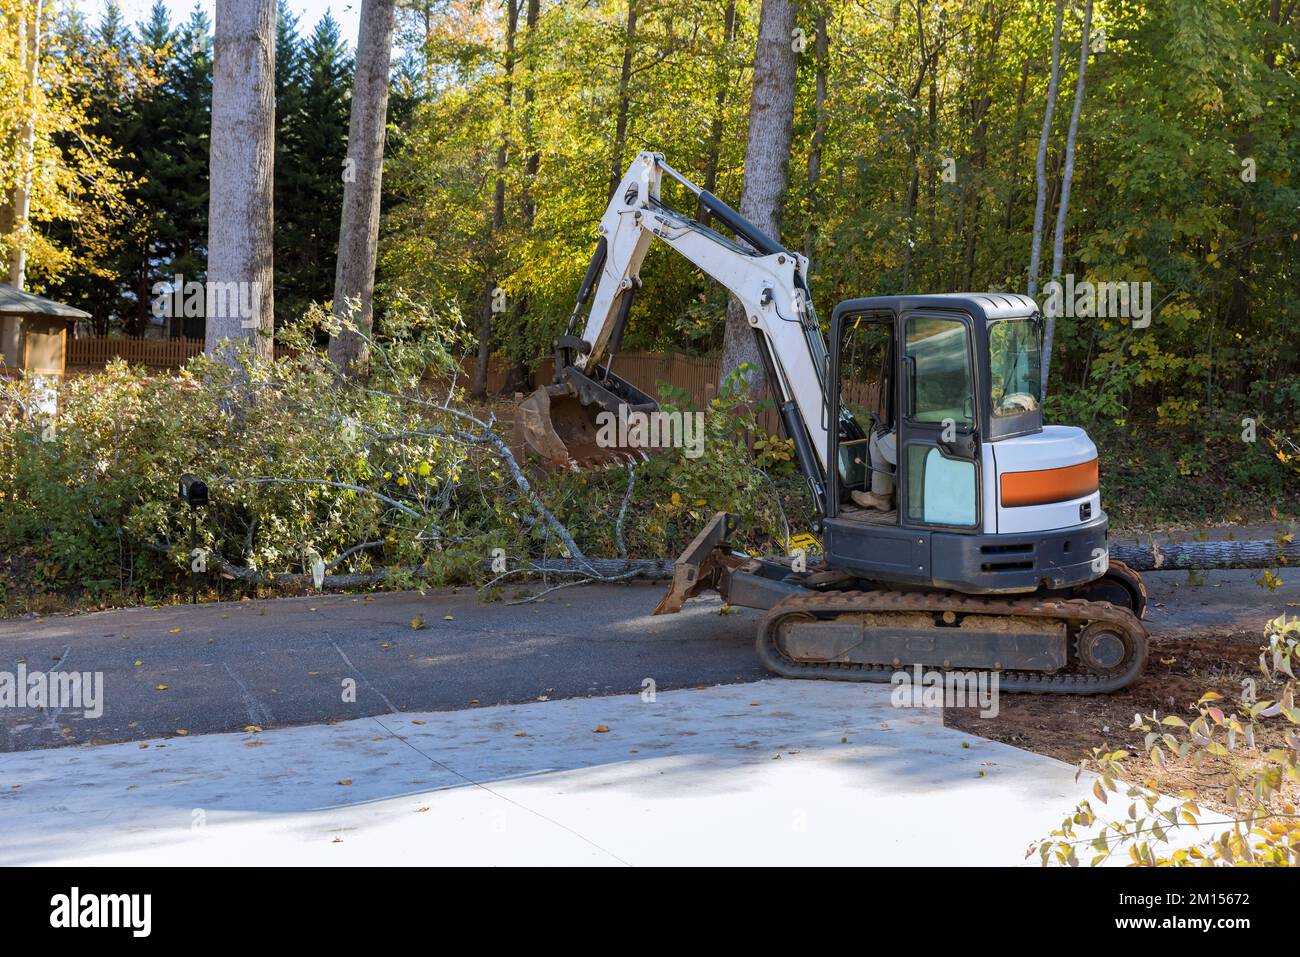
column 604, row 567
column 608, row 570
column 622, row 512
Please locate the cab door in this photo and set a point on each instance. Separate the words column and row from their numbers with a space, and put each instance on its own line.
column 938, row 441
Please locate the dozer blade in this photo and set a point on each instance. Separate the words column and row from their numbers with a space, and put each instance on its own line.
column 698, row 567
column 561, row 430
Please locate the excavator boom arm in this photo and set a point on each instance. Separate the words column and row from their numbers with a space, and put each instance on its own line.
column 768, row 280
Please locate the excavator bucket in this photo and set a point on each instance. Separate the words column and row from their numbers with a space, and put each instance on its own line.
column 563, row 431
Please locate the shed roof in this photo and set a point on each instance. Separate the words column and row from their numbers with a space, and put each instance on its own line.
column 15, row 302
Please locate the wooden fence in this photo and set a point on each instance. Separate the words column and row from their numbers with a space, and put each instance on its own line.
column 91, row 353
column 696, row 376
column 95, row 352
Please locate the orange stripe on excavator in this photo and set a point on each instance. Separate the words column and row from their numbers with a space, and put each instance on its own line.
column 1049, row 485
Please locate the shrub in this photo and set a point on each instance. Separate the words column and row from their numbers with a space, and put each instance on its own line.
column 1263, row 828
column 308, row 468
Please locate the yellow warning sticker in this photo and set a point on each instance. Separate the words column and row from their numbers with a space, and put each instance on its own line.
column 805, row 541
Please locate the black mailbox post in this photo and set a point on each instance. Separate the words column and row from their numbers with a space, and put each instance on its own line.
column 194, row 493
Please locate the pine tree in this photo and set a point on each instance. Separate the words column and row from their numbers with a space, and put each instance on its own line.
column 182, row 171
column 147, row 155
column 289, row 80
column 313, row 136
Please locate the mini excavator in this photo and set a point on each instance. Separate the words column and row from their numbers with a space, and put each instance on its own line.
column 958, row 531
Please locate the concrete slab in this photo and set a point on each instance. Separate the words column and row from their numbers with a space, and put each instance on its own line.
column 763, row 773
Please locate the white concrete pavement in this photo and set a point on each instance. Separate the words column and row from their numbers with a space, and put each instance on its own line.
column 773, row 772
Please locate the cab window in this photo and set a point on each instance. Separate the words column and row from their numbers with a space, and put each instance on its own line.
column 1014, row 361
column 939, row 350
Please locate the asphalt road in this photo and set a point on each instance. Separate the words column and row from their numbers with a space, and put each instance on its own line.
column 292, row 661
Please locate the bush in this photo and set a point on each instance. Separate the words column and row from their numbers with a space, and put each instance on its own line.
column 308, row 468
column 1262, row 826
column 295, row 469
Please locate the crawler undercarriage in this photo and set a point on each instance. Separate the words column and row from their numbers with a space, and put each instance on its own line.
column 822, row 623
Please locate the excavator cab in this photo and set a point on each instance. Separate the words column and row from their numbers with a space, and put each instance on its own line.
column 981, row 497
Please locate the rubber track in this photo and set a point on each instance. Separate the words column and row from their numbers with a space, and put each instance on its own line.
column 1117, row 569
column 1073, row 611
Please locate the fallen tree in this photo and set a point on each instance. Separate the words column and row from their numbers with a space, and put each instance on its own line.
column 1172, row 556
column 1179, row 556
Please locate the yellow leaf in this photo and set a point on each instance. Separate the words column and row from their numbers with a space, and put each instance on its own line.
column 162, row 687
column 600, row 729
column 174, row 631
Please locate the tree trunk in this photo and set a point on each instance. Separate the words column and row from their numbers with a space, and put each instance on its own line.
column 1241, row 258
column 624, row 100
column 931, row 180
column 1036, row 244
column 819, row 131
column 519, row 370
column 1014, row 151
column 478, row 386
column 1058, row 241
column 354, row 274
column 241, row 303
column 1179, row 556
column 929, row 60
column 14, row 216
column 767, row 158
column 21, row 204
column 714, row 155
column 972, row 189
column 1143, row 558
column 532, row 155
